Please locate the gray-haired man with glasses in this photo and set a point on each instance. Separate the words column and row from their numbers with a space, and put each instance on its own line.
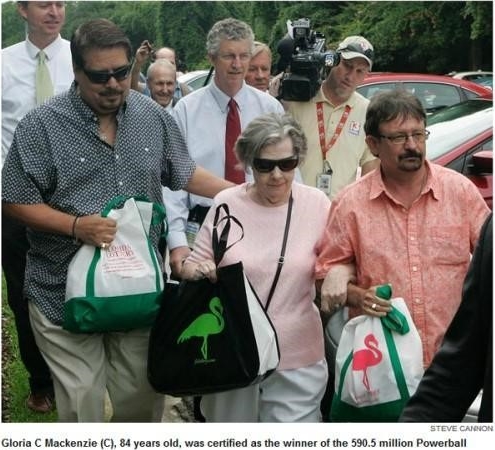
column 410, row 223
column 419, row 137
column 203, row 118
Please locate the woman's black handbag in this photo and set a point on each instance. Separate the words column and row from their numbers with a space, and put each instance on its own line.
column 212, row 337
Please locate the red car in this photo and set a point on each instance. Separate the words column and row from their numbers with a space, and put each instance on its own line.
column 461, row 138
column 434, row 91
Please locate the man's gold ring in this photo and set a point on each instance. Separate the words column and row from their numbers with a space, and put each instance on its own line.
column 103, row 245
column 373, row 306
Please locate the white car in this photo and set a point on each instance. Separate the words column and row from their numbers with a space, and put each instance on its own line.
column 196, row 78
column 485, row 78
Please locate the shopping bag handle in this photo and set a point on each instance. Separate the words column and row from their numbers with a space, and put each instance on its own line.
column 116, row 203
column 220, row 244
column 157, row 218
column 394, row 320
column 158, row 210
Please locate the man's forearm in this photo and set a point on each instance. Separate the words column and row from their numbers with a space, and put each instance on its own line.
column 135, row 74
column 41, row 217
column 206, row 184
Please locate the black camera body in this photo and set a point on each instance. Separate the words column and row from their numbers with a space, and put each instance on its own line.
column 307, row 62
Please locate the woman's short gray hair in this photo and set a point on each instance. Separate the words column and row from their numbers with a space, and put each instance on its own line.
column 270, row 129
column 231, row 30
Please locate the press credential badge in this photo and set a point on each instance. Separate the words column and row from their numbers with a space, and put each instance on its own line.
column 324, row 179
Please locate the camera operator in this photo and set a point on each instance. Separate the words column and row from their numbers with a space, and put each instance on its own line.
column 337, row 113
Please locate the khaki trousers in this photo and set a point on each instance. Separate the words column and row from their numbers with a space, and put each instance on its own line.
column 85, row 366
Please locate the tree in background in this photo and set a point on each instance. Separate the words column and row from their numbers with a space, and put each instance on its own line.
column 434, row 37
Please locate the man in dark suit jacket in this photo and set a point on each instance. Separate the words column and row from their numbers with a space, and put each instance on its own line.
column 464, row 362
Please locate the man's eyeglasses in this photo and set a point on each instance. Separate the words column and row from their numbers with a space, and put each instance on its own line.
column 267, row 165
column 230, row 57
column 102, row 76
column 400, row 139
column 355, row 48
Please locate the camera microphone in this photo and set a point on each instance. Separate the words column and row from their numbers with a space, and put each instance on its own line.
column 285, row 48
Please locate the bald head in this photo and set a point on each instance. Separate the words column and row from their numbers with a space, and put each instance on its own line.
column 161, row 77
column 166, row 53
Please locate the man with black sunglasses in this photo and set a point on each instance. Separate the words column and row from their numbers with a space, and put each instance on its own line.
column 21, row 67
column 69, row 158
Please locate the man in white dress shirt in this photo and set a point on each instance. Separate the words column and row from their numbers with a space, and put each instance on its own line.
column 19, row 62
column 202, row 118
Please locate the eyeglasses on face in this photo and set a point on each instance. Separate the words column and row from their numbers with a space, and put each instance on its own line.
column 103, row 76
column 400, row 139
column 267, row 165
column 230, row 57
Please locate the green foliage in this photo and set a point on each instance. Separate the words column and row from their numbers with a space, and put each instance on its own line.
column 13, row 28
column 413, row 36
column 481, row 14
column 397, row 29
column 15, row 387
column 433, row 37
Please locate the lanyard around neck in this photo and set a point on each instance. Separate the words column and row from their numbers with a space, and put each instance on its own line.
column 321, row 128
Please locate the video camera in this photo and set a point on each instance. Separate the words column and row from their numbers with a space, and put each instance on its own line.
column 304, row 60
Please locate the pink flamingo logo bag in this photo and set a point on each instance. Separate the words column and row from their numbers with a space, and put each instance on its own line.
column 378, row 366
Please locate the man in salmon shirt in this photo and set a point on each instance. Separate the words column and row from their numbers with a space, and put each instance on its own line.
column 412, row 223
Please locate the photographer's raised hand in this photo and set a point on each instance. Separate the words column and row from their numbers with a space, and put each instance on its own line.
column 143, row 53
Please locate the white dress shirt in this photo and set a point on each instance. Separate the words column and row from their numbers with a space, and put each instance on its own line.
column 19, row 63
column 202, row 116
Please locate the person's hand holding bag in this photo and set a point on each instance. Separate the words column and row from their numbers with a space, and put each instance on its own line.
column 204, row 269
column 372, row 301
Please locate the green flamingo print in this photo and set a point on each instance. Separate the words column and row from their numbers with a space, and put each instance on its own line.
column 204, row 325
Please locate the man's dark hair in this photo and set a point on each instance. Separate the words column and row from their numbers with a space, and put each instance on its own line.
column 97, row 34
column 390, row 105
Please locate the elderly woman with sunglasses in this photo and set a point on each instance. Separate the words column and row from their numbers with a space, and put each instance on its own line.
column 273, row 146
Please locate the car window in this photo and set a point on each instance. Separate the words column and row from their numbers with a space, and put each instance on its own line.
column 478, row 77
column 458, row 110
column 487, row 82
column 434, row 96
column 198, row 82
column 195, row 79
column 372, row 89
column 469, row 94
